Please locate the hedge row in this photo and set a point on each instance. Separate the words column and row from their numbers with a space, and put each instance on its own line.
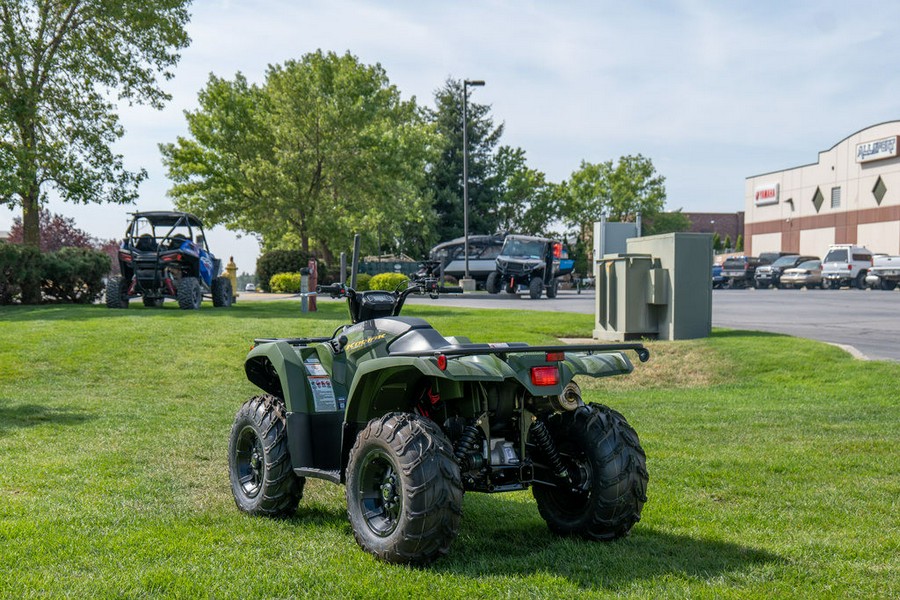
column 283, row 261
column 68, row 275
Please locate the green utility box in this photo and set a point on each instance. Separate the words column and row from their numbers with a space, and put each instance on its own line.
column 660, row 289
column 628, row 287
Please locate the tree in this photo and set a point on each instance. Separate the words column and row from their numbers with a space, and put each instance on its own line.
column 57, row 232
column 60, row 62
column 728, row 247
column 446, row 175
column 739, row 243
column 620, row 191
column 528, row 203
column 717, row 242
column 323, row 149
column 667, row 222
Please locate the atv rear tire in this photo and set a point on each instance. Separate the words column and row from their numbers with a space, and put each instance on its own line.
column 888, row 285
column 493, row 284
column 535, row 287
column 190, row 295
column 153, row 302
column 259, row 464
column 404, row 492
column 116, row 293
column 603, row 453
column 221, row 292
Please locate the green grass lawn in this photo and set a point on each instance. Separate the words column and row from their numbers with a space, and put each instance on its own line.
column 774, row 470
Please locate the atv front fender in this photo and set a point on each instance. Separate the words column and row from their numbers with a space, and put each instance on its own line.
column 277, row 368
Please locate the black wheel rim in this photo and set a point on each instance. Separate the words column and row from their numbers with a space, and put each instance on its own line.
column 250, row 462
column 380, row 493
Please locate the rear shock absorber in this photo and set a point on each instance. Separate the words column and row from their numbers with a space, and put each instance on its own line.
column 545, row 443
column 467, row 450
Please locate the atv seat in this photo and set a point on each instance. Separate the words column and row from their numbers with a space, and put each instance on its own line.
column 145, row 243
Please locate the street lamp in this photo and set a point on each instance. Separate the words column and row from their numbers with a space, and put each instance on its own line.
column 466, row 84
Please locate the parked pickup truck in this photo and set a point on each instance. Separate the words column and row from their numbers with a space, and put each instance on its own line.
column 885, row 272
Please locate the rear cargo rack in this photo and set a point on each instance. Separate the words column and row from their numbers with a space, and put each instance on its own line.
column 481, row 349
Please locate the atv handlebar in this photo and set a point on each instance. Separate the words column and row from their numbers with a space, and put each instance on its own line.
column 336, row 290
column 418, row 286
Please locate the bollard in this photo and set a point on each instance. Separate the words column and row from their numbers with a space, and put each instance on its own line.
column 304, row 290
column 313, row 282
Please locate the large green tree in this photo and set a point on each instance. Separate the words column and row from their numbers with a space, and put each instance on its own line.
column 62, row 64
column 446, row 174
column 323, row 149
column 618, row 190
column 528, row 202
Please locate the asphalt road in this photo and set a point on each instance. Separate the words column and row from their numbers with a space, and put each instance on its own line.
column 868, row 321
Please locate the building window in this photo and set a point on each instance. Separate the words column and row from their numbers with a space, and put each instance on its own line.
column 879, row 191
column 835, row 197
column 818, row 199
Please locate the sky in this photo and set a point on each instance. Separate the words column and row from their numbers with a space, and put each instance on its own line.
column 711, row 92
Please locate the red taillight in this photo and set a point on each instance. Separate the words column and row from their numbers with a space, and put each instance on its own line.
column 849, row 267
column 171, row 257
column 557, row 250
column 545, row 375
column 442, row 362
column 126, row 256
column 556, row 356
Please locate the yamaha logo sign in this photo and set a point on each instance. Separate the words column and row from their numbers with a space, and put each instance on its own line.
column 877, row 150
column 766, row 194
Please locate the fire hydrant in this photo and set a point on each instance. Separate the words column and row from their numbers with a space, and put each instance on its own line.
column 231, row 274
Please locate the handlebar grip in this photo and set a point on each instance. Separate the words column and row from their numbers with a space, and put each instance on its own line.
column 335, row 289
column 450, row 290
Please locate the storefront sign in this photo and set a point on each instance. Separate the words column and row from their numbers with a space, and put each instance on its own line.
column 877, row 150
column 766, row 194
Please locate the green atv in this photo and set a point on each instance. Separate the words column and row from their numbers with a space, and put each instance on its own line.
column 409, row 420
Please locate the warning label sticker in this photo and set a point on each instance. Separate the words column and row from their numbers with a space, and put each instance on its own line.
column 323, row 393
column 314, row 367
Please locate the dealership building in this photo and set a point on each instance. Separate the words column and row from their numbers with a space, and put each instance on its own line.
column 851, row 195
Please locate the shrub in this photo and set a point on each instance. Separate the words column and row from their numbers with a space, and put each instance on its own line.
column 282, row 261
column 75, row 274
column 388, row 281
column 362, row 282
column 18, row 265
column 285, row 283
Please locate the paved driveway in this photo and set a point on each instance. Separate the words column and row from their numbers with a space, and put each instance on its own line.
column 869, row 321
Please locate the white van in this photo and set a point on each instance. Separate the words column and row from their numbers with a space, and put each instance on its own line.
column 846, row 264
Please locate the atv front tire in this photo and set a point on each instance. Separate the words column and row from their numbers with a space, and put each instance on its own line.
column 221, row 291
column 607, row 469
column 116, row 293
column 493, row 283
column 259, row 465
column 404, row 492
column 190, row 294
column 535, row 287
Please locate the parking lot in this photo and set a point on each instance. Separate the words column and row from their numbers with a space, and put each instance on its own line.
column 867, row 320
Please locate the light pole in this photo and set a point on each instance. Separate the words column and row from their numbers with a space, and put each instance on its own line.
column 466, row 84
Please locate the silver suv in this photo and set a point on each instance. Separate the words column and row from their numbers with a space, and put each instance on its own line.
column 846, row 264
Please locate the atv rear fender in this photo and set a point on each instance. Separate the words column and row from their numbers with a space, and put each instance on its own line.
column 367, row 398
